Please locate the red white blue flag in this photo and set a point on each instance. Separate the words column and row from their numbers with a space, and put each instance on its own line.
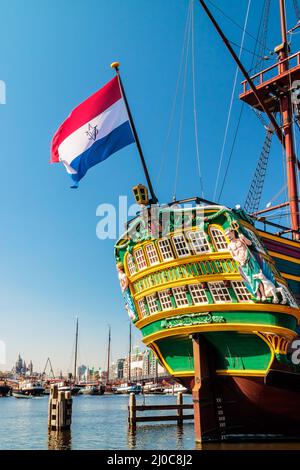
column 93, row 131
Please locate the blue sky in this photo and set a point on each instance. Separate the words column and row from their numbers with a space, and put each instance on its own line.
column 54, row 54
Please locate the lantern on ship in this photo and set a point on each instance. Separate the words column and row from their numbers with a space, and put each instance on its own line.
column 140, row 193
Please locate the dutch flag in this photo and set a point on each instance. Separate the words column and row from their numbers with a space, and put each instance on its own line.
column 93, row 131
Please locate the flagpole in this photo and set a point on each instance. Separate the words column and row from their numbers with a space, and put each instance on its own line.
column 154, row 200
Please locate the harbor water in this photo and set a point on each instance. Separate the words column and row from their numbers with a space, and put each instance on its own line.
column 100, row 423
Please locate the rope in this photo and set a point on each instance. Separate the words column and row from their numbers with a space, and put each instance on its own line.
column 238, row 25
column 240, row 117
column 232, row 148
column 173, row 109
column 297, row 10
column 254, row 194
column 178, row 153
column 231, row 103
column 263, row 32
column 194, row 107
column 281, row 190
column 250, row 52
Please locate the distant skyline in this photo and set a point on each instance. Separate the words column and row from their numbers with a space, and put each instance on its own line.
column 53, row 266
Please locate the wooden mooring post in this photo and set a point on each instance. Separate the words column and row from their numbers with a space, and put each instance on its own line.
column 179, row 407
column 60, row 410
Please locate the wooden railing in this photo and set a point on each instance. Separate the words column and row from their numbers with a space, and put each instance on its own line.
column 185, row 271
column 260, row 77
column 179, row 407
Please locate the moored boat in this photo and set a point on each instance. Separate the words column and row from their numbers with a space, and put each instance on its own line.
column 28, row 388
column 127, row 388
column 92, row 390
column 153, row 389
column 5, row 389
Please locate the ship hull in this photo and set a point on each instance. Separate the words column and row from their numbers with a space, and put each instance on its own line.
column 4, row 390
column 246, row 408
column 216, row 300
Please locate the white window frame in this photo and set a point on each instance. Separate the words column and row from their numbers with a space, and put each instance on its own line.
column 140, row 259
column 237, row 285
column 197, row 248
column 131, row 265
column 165, row 241
column 215, row 238
column 152, row 304
column 193, row 292
column 166, row 303
column 142, row 307
column 153, row 257
column 180, row 238
column 180, row 291
column 213, row 285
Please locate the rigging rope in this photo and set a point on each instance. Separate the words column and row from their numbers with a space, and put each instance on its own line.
column 297, row 10
column 173, row 109
column 195, row 108
column 238, row 25
column 231, row 103
column 259, row 115
column 232, row 148
column 254, row 194
column 263, row 34
column 178, row 153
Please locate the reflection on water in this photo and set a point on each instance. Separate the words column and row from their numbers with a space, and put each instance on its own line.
column 100, row 422
column 249, row 446
column 59, row 440
column 140, row 437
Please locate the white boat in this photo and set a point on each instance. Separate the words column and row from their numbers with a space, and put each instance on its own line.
column 28, row 388
column 153, row 388
column 128, row 388
column 175, row 389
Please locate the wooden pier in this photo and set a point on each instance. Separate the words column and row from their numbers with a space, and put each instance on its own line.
column 60, row 410
column 133, row 408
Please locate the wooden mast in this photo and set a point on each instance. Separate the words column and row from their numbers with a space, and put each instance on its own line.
column 256, row 97
column 287, row 120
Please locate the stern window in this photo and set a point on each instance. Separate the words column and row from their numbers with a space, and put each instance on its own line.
column 219, row 239
column 180, row 296
column 241, row 291
column 152, row 304
column 165, row 300
column 140, row 259
column 181, row 246
column 198, row 294
column 199, row 242
column 165, row 249
column 219, row 292
column 152, row 254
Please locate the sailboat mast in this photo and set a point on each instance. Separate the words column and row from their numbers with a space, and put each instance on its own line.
column 287, row 121
column 108, row 353
column 76, row 349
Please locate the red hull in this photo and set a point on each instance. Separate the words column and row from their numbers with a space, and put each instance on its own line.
column 228, row 407
column 240, row 408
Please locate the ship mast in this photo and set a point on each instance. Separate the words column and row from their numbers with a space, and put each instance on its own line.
column 287, row 121
column 271, row 96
